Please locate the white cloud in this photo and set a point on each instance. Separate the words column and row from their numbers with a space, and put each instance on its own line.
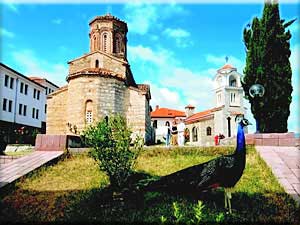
column 180, row 36
column 141, row 17
column 176, row 33
column 57, row 21
column 219, row 61
column 162, row 57
column 33, row 65
column 168, row 77
column 164, row 97
column 6, row 33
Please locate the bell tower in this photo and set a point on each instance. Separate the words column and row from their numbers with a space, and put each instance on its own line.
column 108, row 35
column 228, row 95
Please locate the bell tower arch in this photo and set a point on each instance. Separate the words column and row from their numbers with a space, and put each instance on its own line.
column 108, row 34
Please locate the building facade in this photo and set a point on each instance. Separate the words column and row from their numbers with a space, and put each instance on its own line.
column 160, row 116
column 100, row 83
column 23, row 104
column 228, row 91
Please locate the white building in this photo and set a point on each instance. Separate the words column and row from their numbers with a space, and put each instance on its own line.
column 203, row 126
column 49, row 88
column 160, row 116
column 23, row 103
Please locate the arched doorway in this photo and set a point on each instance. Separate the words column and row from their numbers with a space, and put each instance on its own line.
column 229, row 126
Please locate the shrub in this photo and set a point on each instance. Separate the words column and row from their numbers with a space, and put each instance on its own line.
column 110, row 141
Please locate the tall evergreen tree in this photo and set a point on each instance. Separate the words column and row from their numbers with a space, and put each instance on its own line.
column 268, row 50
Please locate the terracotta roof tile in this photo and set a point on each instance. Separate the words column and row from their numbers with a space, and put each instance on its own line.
column 202, row 115
column 106, row 17
column 227, row 66
column 169, row 113
column 144, row 87
column 96, row 71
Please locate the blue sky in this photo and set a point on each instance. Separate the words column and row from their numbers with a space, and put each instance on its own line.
column 176, row 48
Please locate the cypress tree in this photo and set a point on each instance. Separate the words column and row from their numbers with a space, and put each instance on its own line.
column 267, row 63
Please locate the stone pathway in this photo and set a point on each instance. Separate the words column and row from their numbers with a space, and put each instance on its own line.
column 9, row 172
column 285, row 165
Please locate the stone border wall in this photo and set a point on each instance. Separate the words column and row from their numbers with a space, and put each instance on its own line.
column 272, row 139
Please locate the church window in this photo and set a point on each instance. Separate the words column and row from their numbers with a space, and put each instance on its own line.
column 229, row 126
column 195, row 134
column 105, row 42
column 89, row 112
column 89, row 117
column 232, row 81
column 155, row 124
column 95, row 43
column 232, row 97
column 187, row 135
column 208, row 131
column 97, row 63
column 118, row 44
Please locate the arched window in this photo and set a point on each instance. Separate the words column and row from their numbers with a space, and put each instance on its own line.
column 89, row 112
column 187, row 135
column 194, row 133
column 208, row 131
column 95, row 43
column 104, row 42
column 97, row 63
column 155, row 124
column 232, row 81
column 229, row 126
column 232, row 97
column 118, row 44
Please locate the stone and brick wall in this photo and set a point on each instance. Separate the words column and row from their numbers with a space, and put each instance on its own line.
column 135, row 112
column 57, row 112
column 203, row 139
column 107, row 96
column 105, row 61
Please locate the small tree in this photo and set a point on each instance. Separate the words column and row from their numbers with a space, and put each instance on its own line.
column 267, row 63
column 110, row 141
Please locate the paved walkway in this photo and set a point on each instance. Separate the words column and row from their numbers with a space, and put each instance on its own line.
column 285, row 164
column 15, row 169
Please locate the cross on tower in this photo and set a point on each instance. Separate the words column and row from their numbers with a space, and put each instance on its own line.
column 226, row 59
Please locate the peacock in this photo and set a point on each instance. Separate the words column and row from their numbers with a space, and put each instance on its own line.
column 224, row 171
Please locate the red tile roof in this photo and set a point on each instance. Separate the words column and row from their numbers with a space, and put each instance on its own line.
column 168, row 113
column 207, row 114
column 96, row 71
column 227, row 66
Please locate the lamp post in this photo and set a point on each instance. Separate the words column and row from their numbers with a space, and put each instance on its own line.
column 256, row 92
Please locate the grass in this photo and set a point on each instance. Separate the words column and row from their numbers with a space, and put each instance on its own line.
column 74, row 190
column 19, row 153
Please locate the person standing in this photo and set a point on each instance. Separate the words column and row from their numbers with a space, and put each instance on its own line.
column 180, row 128
column 174, row 133
column 168, row 134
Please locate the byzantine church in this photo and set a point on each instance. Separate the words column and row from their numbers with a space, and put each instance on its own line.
column 100, row 83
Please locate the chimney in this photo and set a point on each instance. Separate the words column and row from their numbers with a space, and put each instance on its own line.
column 156, row 107
column 189, row 110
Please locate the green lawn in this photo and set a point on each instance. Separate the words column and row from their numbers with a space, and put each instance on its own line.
column 74, row 190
